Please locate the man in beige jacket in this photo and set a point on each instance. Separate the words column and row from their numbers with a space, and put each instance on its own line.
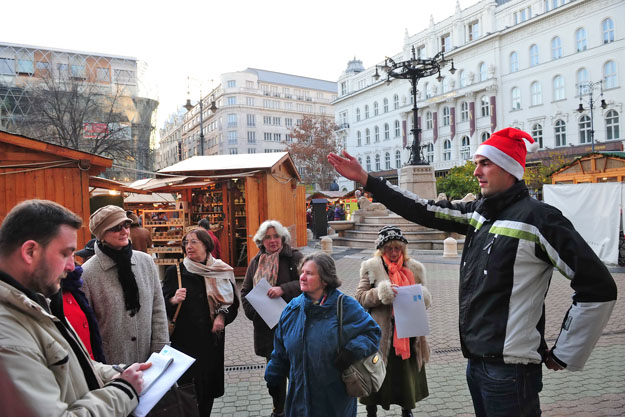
column 42, row 354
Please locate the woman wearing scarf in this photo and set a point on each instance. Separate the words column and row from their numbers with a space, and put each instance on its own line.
column 209, row 303
column 124, row 291
column 277, row 263
column 405, row 358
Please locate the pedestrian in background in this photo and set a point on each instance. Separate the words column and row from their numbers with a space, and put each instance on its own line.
column 140, row 237
column 216, row 251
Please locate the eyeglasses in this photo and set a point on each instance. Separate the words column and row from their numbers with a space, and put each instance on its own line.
column 267, row 237
column 191, row 242
column 119, row 227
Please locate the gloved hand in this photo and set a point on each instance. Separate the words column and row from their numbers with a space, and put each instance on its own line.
column 343, row 359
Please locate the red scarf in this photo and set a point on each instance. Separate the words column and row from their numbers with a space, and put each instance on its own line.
column 400, row 276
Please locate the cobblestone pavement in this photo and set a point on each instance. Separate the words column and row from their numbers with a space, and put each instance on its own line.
column 598, row 390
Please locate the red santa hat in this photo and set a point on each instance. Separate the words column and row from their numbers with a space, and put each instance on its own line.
column 507, row 148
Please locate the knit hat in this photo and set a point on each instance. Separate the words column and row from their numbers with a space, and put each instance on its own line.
column 388, row 233
column 507, row 149
column 106, row 217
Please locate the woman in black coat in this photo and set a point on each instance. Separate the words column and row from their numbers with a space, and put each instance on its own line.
column 209, row 302
column 278, row 263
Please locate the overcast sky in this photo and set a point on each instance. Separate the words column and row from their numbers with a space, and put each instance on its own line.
column 203, row 39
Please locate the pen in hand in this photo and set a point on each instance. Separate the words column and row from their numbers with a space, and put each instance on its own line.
column 120, row 369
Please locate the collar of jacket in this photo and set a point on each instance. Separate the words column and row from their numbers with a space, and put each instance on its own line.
column 11, row 294
column 492, row 206
column 106, row 262
column 308, row 304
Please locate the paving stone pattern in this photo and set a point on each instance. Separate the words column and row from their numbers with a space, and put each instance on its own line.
column 598, row 390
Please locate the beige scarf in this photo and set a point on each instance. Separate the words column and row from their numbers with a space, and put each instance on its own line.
column 219, row 279
column 268, row 266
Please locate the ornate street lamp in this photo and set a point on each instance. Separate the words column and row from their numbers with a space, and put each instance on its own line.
column 189, row 106
column 586, row 89
column 414, row 69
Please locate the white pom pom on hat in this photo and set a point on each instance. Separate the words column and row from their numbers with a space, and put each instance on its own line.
column 508, row 148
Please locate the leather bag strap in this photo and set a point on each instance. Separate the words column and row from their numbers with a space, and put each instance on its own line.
column 339, row 315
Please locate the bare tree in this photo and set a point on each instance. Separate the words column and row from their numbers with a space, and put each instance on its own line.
column 313, row 139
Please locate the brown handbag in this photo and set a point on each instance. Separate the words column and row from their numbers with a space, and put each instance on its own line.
column 172, row 322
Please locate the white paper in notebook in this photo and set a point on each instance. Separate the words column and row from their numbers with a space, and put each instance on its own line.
column 410, row 316
column 160, row 363
column 269, row 309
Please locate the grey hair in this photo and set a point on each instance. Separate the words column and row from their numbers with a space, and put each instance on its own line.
column 325, row 268
column 282, row 231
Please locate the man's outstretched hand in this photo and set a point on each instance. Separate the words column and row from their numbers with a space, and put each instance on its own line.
column 348, row 167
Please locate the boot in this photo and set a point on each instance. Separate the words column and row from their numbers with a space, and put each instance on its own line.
column 372, row 411
column 406, row 413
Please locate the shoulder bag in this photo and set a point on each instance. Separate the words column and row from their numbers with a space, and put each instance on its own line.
column 365, row 376
column 172, row 322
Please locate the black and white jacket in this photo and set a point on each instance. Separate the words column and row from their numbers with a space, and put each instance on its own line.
column 512, row 244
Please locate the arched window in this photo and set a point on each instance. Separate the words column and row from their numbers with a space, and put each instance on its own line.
column 387, row 161
column 368, row 159
column 376, row 133
column 558, row 88
column 387, row 132
column 428, row 120
column 483, row 72
column 537, row 134
column 560, row 133
column 396, row 101
column 580, row 40
column 582, row 81
column 385, row 105
column 447, row 150
column 429, row 152
column 534, row 55
column 464, row 111
column 367, row 136
column 608, row 30
column 446, row 116
column 375, row 108
column 397, row 159
column 378, row 167
column 609, row 75
column 514, row 62
column 584, row 129
column 556, row 48
column 612, row 125
column 463, row 78
column 485, row 106
column 537, row 93
column 366, row 111
column 516, row 98
column 358, row 114
column 397, row 129
column 465, row 150
column 358, row 138
column 484, row 136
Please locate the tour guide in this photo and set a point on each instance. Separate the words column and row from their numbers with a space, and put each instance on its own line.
column 512, row 244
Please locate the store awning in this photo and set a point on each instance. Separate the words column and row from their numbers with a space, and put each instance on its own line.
column 105, row 183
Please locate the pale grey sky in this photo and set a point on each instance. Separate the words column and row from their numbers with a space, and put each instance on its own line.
column 203, row 39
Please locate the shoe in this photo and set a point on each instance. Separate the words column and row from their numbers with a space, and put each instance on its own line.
column 406, row 413
column 372, row 411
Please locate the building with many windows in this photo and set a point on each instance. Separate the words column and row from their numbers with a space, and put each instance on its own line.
column 520, row 63
column 256, row 110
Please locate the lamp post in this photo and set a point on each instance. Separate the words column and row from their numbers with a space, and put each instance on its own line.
column 587, row 88
column 189, row 106
column 414, row 69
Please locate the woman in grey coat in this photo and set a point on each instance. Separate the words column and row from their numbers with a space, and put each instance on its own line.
column 123, row 288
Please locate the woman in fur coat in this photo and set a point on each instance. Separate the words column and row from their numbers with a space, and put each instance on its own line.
column 405, row 383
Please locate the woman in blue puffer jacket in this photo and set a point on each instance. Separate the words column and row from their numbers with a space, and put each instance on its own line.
column 306, row 344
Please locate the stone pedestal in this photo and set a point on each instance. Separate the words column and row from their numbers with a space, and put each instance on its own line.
column 418, row 179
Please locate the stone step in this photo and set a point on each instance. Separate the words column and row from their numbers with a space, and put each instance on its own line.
column 427, row 234
column 425, row 244
column 384, row 220
column 405, row 227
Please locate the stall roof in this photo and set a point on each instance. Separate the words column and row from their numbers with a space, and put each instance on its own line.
column 330, row 194
column 105, row 183
column 150, row 198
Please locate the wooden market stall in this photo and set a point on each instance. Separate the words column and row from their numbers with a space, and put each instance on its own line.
column 595, row 167
column 237, row 193
column 30, row 168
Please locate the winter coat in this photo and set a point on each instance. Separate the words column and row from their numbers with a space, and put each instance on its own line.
column 374, row 293
column 141, row 238
column 305, row 346
column 36, row 351
column 126, row 337
column 193, row 334
column 513, row 243
column 288, row 280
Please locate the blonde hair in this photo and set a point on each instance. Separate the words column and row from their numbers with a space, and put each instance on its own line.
column 393, row 243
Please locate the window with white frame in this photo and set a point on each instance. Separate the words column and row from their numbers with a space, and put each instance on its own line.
column 445, row 84
column 251, row 150
column 232, row 120
column 387, row 131
column 465, row 148
column 77, row 71
column 288, row 122
column 514, row 62
column 378, row 166
column 277, row 121
column 582, row 81
column 387, row 160
column 232, row 137
column 556, row 48
column 249, row 84
column 463, row 78
column 484, row 136
column 385, row 105
column 447, row 150
column 421, row 52
column 607, row 27
column 483, row 71
column 277, row 137
column 429, row 152
column 7, row 66
column 428, row 90
column 397, row 159
column 534, row 55
column 609, row 75
column 357, row 114
column 343, row 88
column 358, row 138
column 515, row 95
column 366, row 111
column 446, row 116
column 558, row 88
column 484, row 106
column 233, row 151
column 612, row 125
column 473, row 30
column 367, row 136
column 445, row 43
column 266, row 120
column 251, row 136
column 397, row 128
column 537, row 134
column 584, row 129
column 396, row 101
column 368, row 162
column 464, row 111
column 249, row 101
column 251, row 120
column 428, row 120
column 231, row 83
column 560, row 132
column 267, row 137
column 536, row 93
column 376, row 133
column 580, row 40
column 375, row 108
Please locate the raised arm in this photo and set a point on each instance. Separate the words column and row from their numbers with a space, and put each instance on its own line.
column 348, row 167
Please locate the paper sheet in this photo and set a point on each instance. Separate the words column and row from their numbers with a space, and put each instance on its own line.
column 160, row 363
column 410, row 317
column 181, row 363
column 269, row 309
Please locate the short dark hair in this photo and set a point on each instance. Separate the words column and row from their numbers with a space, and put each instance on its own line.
column 325, row 268
column 37, row 220
column 204, row 224
column 202, row 236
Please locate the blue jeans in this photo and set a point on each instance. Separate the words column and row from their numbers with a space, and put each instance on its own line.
column 504, row 390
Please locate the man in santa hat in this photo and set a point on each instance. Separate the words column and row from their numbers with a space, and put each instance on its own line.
column 513, row 243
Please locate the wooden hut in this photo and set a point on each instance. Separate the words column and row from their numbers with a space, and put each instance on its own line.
column 595, row 167
column 238, row 193
column 31, row 168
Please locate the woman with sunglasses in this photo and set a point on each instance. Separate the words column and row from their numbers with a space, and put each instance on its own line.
column 209, row 302
column 124, row 291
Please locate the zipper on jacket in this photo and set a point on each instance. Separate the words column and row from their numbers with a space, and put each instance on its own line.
column 488, row 248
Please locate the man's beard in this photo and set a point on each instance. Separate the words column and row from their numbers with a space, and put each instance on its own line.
column 40, row 280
